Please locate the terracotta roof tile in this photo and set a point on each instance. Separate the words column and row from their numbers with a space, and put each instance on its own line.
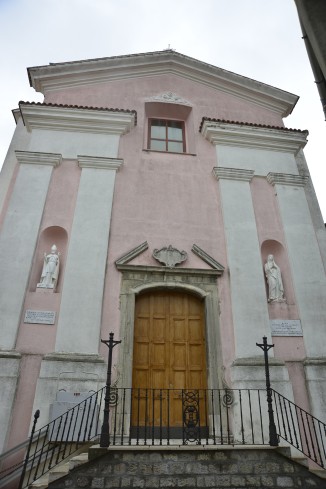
column 252, row 124
column 67, row 106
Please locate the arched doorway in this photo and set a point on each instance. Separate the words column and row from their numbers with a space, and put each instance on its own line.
column 169, row 358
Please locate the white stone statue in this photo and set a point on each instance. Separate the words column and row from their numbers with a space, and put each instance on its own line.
column 274, row 280
column 50, row 272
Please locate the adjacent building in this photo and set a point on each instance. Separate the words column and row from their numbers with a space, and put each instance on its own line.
column 312, row 17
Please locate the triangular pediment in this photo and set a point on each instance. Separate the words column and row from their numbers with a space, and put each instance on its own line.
column 57, row 76
column 124, row 262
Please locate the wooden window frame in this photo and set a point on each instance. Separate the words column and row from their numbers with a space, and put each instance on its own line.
column 167, row 140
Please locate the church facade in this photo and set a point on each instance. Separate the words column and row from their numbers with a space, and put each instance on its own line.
column 162, row 199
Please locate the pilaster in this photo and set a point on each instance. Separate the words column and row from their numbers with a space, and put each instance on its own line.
column 315, row 370
column 306, row 262
column 9, row 371
column 249, row 305
column 19, row 236
column 81, row 304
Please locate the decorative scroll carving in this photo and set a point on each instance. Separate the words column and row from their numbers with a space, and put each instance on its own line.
column 170, row 98
column 170, row 256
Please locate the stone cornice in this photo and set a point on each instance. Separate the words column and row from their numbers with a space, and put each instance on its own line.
column 169, row 271
column 315, row 362
column 73, row 119
column 58, row 76
column 287, row 179
column 257, row 362
column 233, row 174
column 72, row 357
column 99, row 163
column 221, row 133
column 35, row 158
column 10, row 354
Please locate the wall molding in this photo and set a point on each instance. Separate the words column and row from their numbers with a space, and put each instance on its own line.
column 222, row 173
column 222, row 133
column 76, row 119
column 100, row 163
column 35, row 158
column 287, row 179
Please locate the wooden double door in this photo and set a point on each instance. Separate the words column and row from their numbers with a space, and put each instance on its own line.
column 169, row 357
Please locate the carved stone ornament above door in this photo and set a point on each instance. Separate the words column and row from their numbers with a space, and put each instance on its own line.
column 170, row 256
column 170, row 98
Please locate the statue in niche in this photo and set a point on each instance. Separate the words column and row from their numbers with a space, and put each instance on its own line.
column 50, row 271
column 274, row 280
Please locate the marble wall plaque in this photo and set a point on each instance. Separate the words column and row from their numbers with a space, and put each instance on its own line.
column 39, row 317
column 286, row 327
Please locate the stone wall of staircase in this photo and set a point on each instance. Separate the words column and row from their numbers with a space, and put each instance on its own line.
column 191, row 468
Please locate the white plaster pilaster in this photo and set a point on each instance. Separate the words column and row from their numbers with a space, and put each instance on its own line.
column 305, row 258
column 9, row 371
column 315, row 370
column 249, row 304
column 19, row 236
column 81, row 304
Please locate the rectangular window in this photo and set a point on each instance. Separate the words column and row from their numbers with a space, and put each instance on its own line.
column 166, row 135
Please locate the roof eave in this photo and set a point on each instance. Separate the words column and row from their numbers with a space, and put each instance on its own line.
column 66, row 75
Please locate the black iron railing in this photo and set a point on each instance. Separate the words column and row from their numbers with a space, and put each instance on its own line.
column 150, row 417
column 300, row 429
column 160, row 417
column 57, row 441
column 188, row 416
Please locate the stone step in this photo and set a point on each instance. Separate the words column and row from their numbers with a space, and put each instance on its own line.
column 319, row 472
column 78, row 460
column 41, row 483
column 162, row 465
column 189, row 467
column 60, row 471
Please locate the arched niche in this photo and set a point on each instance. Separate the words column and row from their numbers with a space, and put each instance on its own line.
column 48, row 237
column 275, row 248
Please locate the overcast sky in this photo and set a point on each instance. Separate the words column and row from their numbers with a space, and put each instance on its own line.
column 260, row 39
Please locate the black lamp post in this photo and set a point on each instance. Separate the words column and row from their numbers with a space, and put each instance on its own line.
column 273, row 439
column 105, row 431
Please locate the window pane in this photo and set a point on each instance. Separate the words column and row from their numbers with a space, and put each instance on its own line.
column 158, row 129
column 175, row 130
column 158, row 145
column 175, row 147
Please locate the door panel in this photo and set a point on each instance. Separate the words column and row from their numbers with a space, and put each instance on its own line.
column 169, row 353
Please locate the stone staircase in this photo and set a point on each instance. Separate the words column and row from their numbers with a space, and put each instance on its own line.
column 184, row 466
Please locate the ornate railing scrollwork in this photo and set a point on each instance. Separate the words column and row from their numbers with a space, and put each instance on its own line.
column 190, row 416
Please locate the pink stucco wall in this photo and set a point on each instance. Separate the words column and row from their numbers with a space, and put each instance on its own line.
column 159, row 197
column 132, row 93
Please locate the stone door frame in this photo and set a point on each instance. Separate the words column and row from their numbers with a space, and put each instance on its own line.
column 200, row 282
